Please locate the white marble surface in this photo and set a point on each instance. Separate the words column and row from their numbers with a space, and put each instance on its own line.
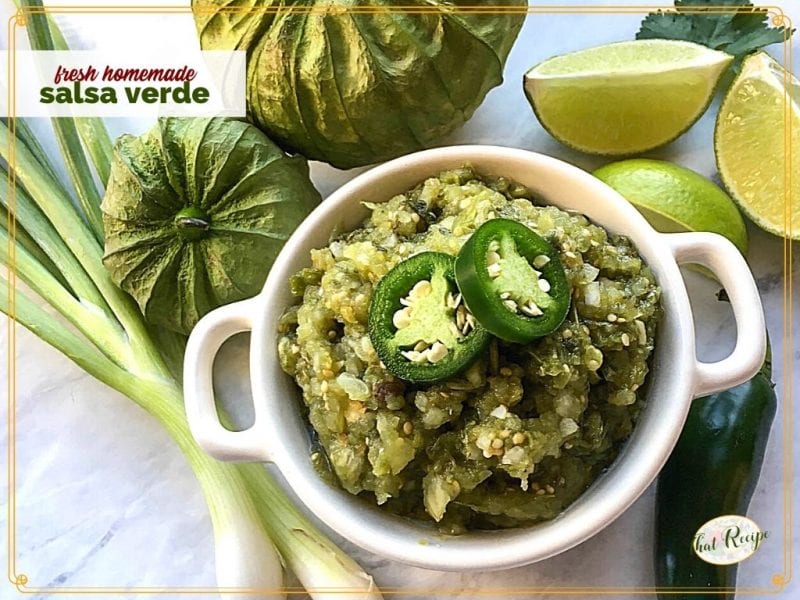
column 105, row 499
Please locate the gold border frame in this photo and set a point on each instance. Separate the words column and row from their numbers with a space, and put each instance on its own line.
column 779, row 580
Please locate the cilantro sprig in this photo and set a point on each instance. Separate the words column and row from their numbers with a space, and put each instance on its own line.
column 739, row 32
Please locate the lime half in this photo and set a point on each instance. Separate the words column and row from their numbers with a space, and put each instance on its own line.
column 751, row 141
column 674, row 199
column 626, row 97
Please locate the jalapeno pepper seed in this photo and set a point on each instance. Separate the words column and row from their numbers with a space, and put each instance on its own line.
column 418, row 323
column 513, row 281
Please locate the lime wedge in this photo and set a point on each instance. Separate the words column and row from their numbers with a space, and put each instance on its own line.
column 626, row 97
column 674, row 199
column 752, row 145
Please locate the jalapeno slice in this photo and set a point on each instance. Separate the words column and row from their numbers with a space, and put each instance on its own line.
column 513, row 281
column 418, row 323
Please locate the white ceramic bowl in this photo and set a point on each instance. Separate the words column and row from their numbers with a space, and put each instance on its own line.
column 279, row 432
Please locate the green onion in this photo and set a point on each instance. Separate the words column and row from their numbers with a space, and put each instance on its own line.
column 57, row 252
column 67, row 133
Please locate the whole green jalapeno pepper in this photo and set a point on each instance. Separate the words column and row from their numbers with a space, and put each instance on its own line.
column 418, row 323
column 513, row 281
column 712, row 472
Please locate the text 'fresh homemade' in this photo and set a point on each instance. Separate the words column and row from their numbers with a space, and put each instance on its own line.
column 168, row 85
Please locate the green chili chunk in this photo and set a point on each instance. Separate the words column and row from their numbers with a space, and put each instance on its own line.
column 417, row 323
column 513, row 281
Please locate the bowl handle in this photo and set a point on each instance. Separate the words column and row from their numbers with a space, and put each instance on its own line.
column 726, row 262
column 198, row 389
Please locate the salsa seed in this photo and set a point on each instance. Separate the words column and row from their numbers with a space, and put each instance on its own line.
column 327, row 373
column 505, row 295
column 566, row 334
column 323, row 387
column 497, row 443
column 531, row 310
column 461, row 317
column 510, row 304
column 570, row 255
column 626, row 339
column 469, row 323
column 535, row 486
column 494, row 245
column 550, row 489
column 620, row 320
column 540, row 492
column 562, row 481
column 453, row 301
column 404, row 301
column 541, row 261
column 593, row 365
column 505, row 434
column 518, row 438
column 500, row 412
column 437, row 352
column 494, row 270
column 492, row 258
column 505, row 372
column 640, row 329
column 544, row 285
column 408, row 428
column 401, row 318
column 455, row 330
column 420, row 289
column 611, row 317
column 415, row 356
column 567, row 426
column 420, row 346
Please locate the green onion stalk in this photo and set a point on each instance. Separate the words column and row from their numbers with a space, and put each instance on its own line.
column 51, row 238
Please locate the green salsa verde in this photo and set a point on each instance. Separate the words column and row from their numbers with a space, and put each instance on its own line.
column 520, row 433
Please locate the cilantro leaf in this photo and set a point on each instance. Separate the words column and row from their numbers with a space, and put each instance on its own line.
column 743, row 30
column 753, row 40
